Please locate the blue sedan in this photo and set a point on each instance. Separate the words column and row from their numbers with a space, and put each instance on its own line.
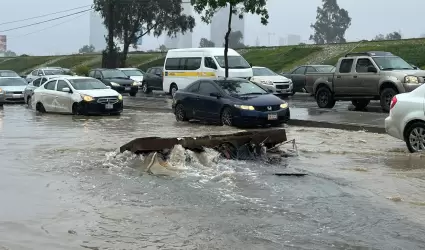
column 231, row 102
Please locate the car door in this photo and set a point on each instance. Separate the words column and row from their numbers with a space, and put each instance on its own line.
column 367, row 82
column 298, row 77
column 158, row 79
column 63, row 99
column 47, row 96
column 343, row 82
column 29, row 90
column 207, row 106
column 191, row 99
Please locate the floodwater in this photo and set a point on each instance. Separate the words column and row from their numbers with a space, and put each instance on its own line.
column 64, row 186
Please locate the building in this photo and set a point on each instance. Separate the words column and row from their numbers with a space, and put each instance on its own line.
column 3, row 45
column 181, row 40
column 282, row 41
column 98, row 31
column 294, row 39
column 219, row 26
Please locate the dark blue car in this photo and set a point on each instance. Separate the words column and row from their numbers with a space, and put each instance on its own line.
column 231, row 102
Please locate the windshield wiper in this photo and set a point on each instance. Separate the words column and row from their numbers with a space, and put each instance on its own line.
column 388, row 69
column 253, row 93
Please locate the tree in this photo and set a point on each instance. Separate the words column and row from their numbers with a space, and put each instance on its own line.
column 87, row 49
column 379, row 37
column 236, row 40
column 9, row 53
column 205, row 43
column 130, row 20
column 393, row 36
column 209, row 7
column 162, row 48
column 331, row 23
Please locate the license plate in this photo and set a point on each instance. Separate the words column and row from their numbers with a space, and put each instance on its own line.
column 109, row 106
column 17, row 95
column 127, row 88
column 272, row 116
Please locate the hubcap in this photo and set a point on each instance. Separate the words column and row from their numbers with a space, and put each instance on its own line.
column 417, row 139
column 173, row 90
column 227, row 118
column 145, row 88
column 388, row 99
column 180, row 113
column 323, row 98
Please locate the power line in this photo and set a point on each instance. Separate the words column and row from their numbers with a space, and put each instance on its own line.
column 35, row 17
column 49, row 27
column 53, row 19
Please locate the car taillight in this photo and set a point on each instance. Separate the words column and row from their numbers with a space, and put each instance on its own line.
column 393, row 102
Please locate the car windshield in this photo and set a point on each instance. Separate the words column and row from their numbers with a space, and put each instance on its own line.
column 235, row 62
column 87, row 84
column 240, row 87
column 12, row 82
column 263, row 72
column 133, row 72
column 392, row 63
column 8, row 73
column 113, row 73
column 50, row 72
column 325, row 69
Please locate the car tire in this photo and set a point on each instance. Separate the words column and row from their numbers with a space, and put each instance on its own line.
column 173, row 89
column 76, row 109
column 360, row 104
column 385, row 98
column 133, row 94
column 40, row 107
column 414, row 136
column 145, row 88
column 180, row 113
column 226, row 117
column 324, row 98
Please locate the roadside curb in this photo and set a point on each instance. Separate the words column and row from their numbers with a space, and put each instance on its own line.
column 294, row 122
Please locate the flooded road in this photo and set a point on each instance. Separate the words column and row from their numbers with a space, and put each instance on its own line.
column 64, row 186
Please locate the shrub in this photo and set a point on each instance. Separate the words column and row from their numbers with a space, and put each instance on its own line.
column 82, row 70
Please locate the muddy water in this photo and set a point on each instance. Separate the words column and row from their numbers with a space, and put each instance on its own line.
column 63, row 186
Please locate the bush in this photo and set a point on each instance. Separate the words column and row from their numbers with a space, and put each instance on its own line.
column 82, row 70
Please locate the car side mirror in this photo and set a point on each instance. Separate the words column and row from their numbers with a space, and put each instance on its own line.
column 66, row 90
column 108, row 87
column 217, row 95
column 40, row 74
column 372, row 69
column 270, row 90
column 250, row 64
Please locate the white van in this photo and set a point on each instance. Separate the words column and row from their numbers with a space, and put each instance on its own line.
column 184, row 66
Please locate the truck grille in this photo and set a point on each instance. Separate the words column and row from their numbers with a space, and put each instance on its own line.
column 108, row 100
column 266, row 108
column 284, row 86
column 14, row 92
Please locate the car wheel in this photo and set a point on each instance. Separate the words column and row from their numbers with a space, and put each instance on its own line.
column 180, row 113
column 415, row 137
column 324, row 98
column 360, row 104
column 386, row 97
column 76, row 109
column 133, row 93
column 29, row 101
column 173, row 89
column 226, row 117
column 145, row 88
column 40, row 107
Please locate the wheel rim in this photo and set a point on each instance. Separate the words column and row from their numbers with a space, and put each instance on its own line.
column 323, row 98
column 417, row 139
column 145, row 88
column 227, row 118
column 180, row 113
column 173, row 90
column 29, row 101
column 388, row 98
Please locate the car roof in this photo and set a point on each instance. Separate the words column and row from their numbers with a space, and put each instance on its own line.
column 128, row 68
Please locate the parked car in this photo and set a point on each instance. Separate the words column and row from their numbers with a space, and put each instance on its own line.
column 29, row 89
column 364, row 76
column 116, row 79
column 46, row 71
column 158, row 71
column 231, row 102
column 77, row 95
column 8, row 73
column 12, row 90
column 272, row 81
column 299, row 75
column 406, row 120
column 151, row 82
column 134, row 74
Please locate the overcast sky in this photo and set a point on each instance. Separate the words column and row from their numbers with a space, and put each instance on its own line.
column 369, row 17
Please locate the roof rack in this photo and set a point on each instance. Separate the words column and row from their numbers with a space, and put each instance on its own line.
column 369, row 53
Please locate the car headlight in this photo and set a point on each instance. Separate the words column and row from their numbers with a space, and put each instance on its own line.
column 245, row 107
column 1, row 91
column 135, row 83
column 268, row 82
column 283, row 105
column 115, row 84
column 120, row 97
column 87, row 98
column 411, row 79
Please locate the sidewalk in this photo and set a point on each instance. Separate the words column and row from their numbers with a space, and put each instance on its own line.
column 308, row 117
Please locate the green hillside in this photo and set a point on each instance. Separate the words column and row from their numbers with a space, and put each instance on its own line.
column 279, row 59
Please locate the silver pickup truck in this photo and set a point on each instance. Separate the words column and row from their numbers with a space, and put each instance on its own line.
column 362, row 77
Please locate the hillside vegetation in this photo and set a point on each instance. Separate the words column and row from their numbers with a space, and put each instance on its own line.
column 279, row 59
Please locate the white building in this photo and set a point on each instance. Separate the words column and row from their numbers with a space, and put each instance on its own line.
column 294, row 39
column 181, row 40
column 98, row 31
column 219, row 26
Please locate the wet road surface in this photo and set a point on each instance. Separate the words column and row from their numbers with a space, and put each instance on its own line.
column 64, row 186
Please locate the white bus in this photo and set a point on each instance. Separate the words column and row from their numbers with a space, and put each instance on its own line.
column 184, row 66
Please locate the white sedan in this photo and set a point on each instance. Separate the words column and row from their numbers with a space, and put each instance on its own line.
column 77, row 95
column 406, row 120
column 268, row 79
